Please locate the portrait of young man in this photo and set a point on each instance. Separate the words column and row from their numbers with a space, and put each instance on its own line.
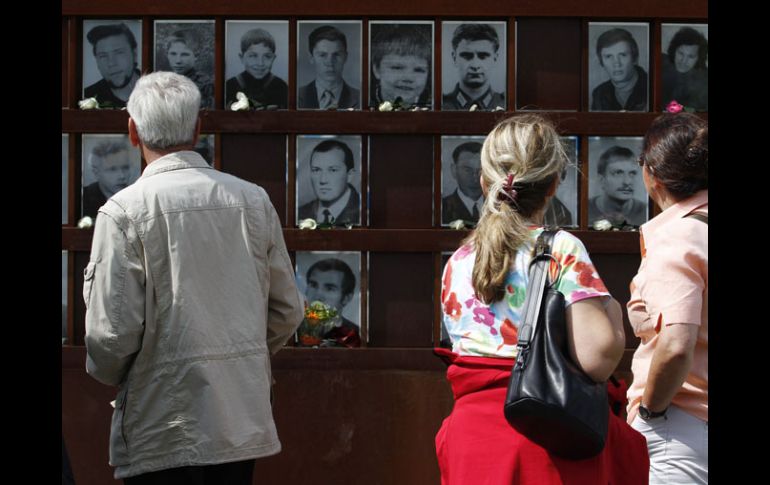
column 329, row 64
column 618, row 66
column 473, row 65
column 401, row 63
column 186, row 47
column 461, row 196
column 112, row 60
column 561, row 210
column 684, row 66
column 334, row 279
column 65, row 154
column 615, row 186
column 329, row 179
column 257, row 62
column 110, row 164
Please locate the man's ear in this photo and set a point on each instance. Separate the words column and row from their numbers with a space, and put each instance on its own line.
column 133, row 135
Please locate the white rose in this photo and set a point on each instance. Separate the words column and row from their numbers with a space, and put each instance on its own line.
column 88, row 103
column 241, row 104
column 386, row 106
column 457, row 224
column 85, row 223
column 307, row 224
column 602, row 225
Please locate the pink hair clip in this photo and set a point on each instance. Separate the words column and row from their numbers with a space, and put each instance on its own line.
column 508, row 191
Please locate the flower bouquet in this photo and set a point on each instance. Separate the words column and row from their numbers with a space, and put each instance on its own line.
column 319, row 319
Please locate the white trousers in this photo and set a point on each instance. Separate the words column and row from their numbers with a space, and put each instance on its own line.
column 679, row 448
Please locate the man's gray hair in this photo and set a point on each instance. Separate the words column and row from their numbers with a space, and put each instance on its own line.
column 164, row 107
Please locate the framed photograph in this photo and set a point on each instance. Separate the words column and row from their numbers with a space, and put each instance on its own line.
column 64, row 297
column 461, row 196
column 110, row 164
column 615, row 187
column 401, row 63
column 685, row 66
column 187, row 47
column 112, row 60
column 334, row 279
column 473, row 65
column 329, row 64
column 562, row 210
column 65, row 155
column 205, row 148
column 329, row 179
column 618, row 66
column 257, row 62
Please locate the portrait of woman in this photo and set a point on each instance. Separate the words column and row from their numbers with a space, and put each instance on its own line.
column 684, row 66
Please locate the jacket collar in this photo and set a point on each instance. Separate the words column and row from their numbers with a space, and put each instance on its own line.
column 677, row 211
column 175, row 161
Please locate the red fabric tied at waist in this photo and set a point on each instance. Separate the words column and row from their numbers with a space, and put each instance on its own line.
column 477, row 445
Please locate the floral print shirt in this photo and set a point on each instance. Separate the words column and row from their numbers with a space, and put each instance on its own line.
column 478, row 329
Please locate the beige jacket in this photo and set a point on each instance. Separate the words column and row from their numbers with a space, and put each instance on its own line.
column 189, row 289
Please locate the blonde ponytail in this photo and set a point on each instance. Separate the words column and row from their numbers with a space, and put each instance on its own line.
column 528, row 148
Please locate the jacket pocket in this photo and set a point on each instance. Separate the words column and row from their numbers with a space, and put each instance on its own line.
column 88, row 281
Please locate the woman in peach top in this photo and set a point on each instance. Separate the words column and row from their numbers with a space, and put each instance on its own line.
column 668, row 400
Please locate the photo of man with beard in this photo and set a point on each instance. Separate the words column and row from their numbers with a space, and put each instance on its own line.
column 618, row 175
column 116, row 54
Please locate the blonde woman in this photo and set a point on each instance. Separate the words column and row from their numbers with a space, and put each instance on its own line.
column 483, row 291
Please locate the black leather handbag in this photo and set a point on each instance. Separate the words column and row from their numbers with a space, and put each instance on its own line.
column 550, row 400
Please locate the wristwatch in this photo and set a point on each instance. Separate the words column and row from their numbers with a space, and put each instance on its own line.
column 646, row 414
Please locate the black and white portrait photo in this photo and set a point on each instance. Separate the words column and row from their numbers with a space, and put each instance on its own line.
column 684, row 66
column 562, row 209
column 257, row 62
column 112, row 60
column 329, row 64
column 473, row 65
column 65, row 146
column 329, row 179
column 334, row 278
column 401, row 63
column 110, row 164
column 205, row 148
column 64, row 297
column 187, row 47
column 615, row 187
column 461, row 196
column 618, row 66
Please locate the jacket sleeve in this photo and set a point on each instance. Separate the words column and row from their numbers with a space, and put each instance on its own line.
column 115, row 299
column 285, row 304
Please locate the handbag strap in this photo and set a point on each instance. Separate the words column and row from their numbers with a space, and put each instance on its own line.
column 538, row 274
column 699, row 215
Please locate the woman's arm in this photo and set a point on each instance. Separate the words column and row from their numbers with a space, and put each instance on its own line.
column 595, row 336
column 670, row 365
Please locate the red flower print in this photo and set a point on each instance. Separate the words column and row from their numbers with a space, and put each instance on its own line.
column 452, row 307
column 586, row 276
column 509, row 332
column 566, row 262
